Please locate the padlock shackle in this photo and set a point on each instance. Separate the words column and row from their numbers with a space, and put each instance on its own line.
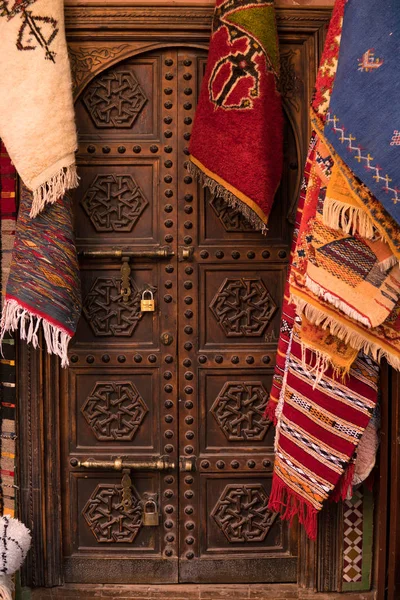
column 147, row 292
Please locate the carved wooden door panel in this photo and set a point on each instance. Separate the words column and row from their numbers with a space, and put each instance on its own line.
column 230, row 297
column 120, row 394
column 184, row 386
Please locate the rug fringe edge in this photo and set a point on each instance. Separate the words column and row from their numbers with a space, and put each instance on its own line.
column 355, row 339
column 289, row 504
column 322, row 363
column 219, row 191
column 354, row 221
column 344, row 488
column 16, row 317
column 321, row 292
column 348, row 218
column 270, row 411
column 54, row 188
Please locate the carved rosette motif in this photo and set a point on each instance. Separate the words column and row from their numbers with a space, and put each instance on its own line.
column 114, row 203
column 239, row 409
column 242, row 514
column 231, row 218
column 243, row 307
column 106, row 311
column 115, row 99
column 114, row 411
column 109, row 518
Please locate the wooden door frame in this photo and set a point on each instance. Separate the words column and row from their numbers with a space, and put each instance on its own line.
column 125, row 31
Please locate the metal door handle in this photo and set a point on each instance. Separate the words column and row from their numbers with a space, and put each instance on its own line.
column 161, row 463
column 157, row 253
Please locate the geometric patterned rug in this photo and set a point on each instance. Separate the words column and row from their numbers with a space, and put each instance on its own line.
column 7, row 361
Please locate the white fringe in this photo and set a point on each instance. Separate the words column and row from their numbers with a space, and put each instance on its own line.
column 54, row 188
column 217, row 190
column 388, row 263
column 348, row 218
column 349, row 336
column 281, row 401
column 322, row 364
column 6, row 587
column 15, row 317
column 336, row 302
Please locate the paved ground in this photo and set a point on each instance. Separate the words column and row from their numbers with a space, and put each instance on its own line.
column 186, row 592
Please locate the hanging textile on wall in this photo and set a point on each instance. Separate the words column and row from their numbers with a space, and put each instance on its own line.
column 363, row 126
column 341, row 315
column 345, row 277
column 237, row 138
column 14, row 536
column 38, row 129
column 43, row 288
column 36, row 108
column 7, row 360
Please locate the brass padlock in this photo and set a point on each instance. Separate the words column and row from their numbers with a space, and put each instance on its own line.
column 151, row 515
column 147, row 304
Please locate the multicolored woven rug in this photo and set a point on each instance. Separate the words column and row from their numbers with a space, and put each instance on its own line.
column 362, row 123
column 320, row 419
column 43, row 288
column 237, row 138
column 344, row 273
column 7, row 360
column 37, row 125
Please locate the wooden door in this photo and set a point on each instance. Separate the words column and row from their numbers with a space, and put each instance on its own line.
column 187, row 383
column 185, row 386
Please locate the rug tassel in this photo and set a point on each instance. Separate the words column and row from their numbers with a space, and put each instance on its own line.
column 6, row 587
column 388, row 263
column 355, row 339
column 218, row 190
column 270, row 411
column 15, row 317
column 336, row 302
column 348, row 218
column 344, row 488
column 285, row 501
column 54, row 188
column 322, row 363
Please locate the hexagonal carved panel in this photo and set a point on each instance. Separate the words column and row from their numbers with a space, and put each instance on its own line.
column 107, row 313
column 242, row 514
column 108, row 518
column 114, row 203
column 243, row 307
column 239, row 410
column 114, row 411
column 115, row 100
column 231, row 218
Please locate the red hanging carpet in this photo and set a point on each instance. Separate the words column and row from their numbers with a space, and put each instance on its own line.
column 237, row 138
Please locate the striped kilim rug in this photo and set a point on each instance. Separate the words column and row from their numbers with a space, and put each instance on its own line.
column 7, row 360
column 325, row 386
